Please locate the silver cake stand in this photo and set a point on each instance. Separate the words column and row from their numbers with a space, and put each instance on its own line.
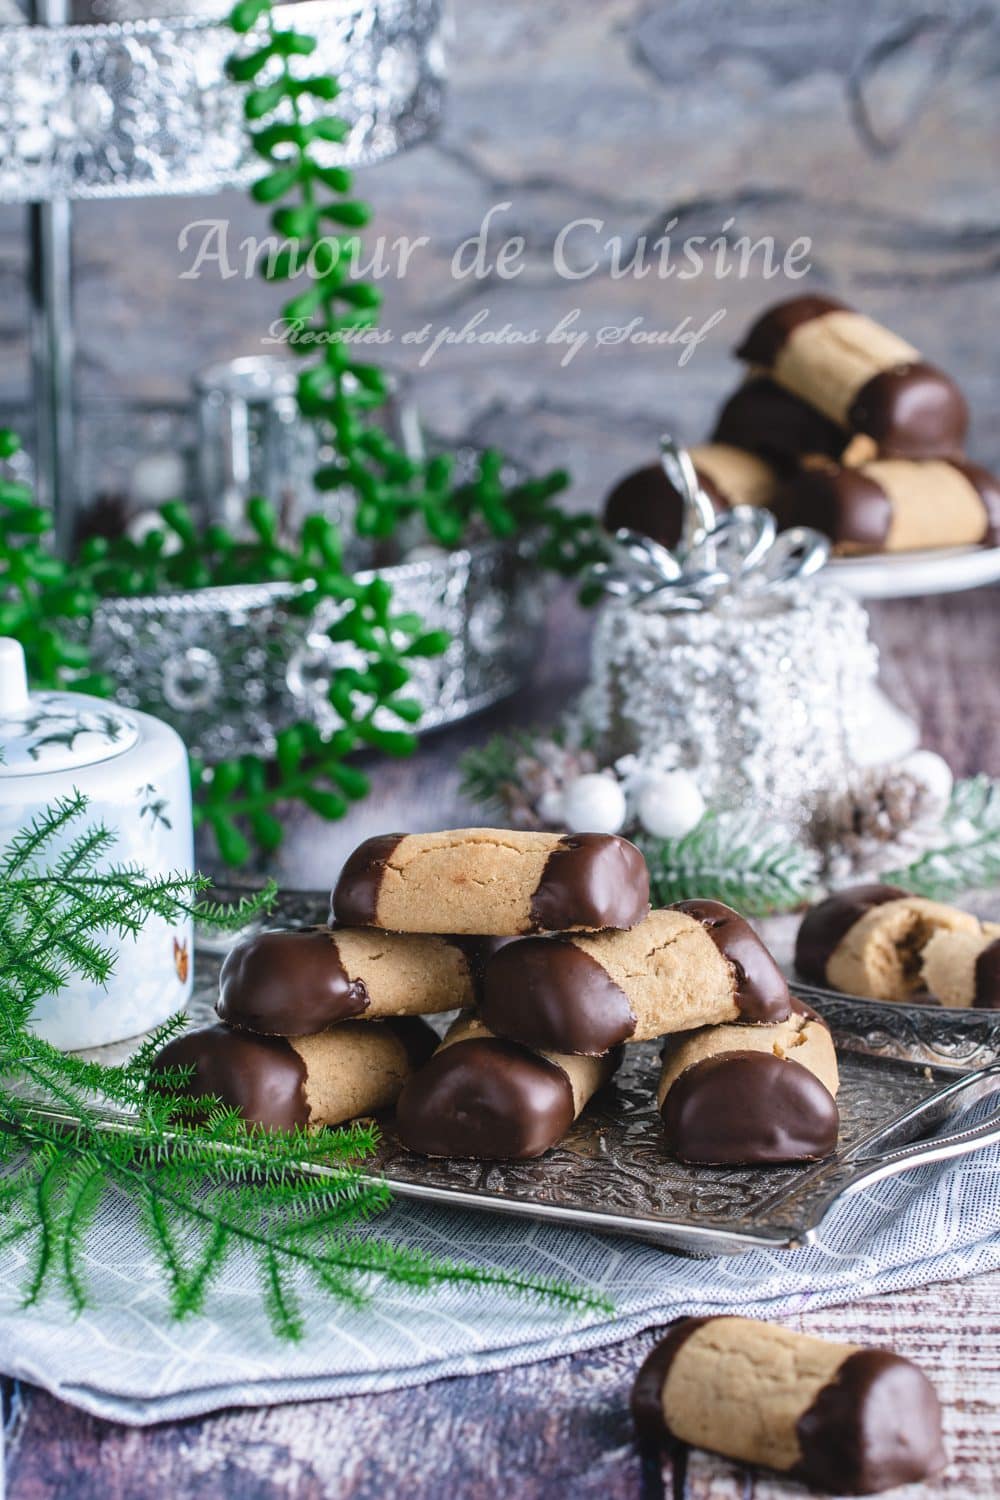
column 136, row 105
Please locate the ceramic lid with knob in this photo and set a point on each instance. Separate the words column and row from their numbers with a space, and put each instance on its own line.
column 55, row 731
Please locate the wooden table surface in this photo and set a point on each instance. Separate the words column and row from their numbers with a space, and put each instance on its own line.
column 559, row 1428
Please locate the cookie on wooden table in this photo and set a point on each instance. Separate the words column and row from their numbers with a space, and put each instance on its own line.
column 844, row 1419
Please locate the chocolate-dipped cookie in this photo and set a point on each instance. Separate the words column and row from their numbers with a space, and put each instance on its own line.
column 493, row 1100
column 493, row 881
column 762, row 417
column 645, row 501
column 692, row 964
column 860, row 376
column 963, row 968
column 869, row 940
column 844, row 1419
column 894, row 505
column 737, row 1094
column 284, row 1083
column 299, row 982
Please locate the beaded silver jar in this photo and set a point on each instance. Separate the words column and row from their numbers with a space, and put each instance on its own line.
column 758, row 693
column 230, row 667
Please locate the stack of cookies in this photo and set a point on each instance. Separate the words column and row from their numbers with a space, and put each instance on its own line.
column 554, row 961
column 839, row 425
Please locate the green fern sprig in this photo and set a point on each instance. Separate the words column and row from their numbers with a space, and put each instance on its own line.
column 293, row 1207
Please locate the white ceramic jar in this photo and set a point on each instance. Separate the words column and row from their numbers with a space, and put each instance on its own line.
column 133, row 770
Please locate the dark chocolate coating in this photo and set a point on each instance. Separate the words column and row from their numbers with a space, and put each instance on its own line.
column 912, row 411
column 261, row 1076
column 845, row 504
column 547, row 993
column 419, row 1039
column 764, row 418
column 761, row 988
column 824, row 927
column 739, row 1107
column 988, row 487
column 876, row 1425
column 487, row 1099
column 645, row 501
column 987, row 993
column 647, row 1392
column 288, row 984
column 355, row 896
column 591, row 880
column 767, row 337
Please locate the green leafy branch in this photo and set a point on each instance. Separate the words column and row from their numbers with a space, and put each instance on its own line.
column 737, row 858
column 316, row 213
column 292, row 1209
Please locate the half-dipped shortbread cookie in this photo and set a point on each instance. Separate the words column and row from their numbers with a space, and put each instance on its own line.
column 281, row 1083
column 838, row 1417
column 693, row 964
column 299, row 982
column 493, row 882
column 731, row 1094
column 482, row 1097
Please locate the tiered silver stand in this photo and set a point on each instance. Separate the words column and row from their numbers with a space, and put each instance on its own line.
column 113, row 102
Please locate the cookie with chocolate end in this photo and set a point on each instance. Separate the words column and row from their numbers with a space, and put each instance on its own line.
column 860, row 376
column 963, row 968
column 869, row 940
column 893, row 505
column 764, row 418
column 842, row 1418
column 492, row 1100
column 740, row 1094
column 295, row 983
column 689, row 965
column 284, row 1083
column 645, row 501
column 493, row 881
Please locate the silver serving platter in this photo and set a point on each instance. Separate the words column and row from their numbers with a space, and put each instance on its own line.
column 141, row 106
column 612, row 1175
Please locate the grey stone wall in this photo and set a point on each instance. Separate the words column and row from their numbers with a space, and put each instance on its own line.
column 870, row 128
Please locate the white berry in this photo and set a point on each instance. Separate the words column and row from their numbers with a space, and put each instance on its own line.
column 593, row 804
column 669, row 806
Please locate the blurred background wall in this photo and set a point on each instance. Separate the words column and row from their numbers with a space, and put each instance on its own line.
column 870, row 126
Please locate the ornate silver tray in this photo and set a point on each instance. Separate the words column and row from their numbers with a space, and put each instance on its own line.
column 230, row 667
column 612, row 1175
column 137, row 107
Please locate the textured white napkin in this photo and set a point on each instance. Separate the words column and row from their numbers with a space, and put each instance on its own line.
column 126, row 1360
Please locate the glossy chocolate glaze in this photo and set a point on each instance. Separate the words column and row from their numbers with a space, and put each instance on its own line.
column 987, row 486
column 741, row 1107
column 261, row 1076
column 646, row 501
column 877, row 1425
column 545, row 992
column 355, row 896
column 487, row 1099
column 288, row 984
column 647, row 1392
column 761, row 988
column 764, row 418
column 591, row 880
column 987, row 991
column 827, row 924
column 845, row 504
column 766, row 338
column 419, row 1040
column 913, row 411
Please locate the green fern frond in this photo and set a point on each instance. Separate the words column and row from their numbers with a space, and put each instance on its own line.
column 968, row 856
column 735, row 858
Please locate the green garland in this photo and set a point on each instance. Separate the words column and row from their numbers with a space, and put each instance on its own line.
column 205, row 1193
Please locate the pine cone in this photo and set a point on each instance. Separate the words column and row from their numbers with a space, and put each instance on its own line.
column 539, row 778
column 886, row 816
